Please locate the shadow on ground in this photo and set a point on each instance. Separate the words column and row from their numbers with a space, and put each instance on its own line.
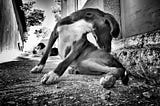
column 18, row 87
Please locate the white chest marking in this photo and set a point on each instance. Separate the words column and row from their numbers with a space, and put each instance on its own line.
column 92, row 39
column 70, row 33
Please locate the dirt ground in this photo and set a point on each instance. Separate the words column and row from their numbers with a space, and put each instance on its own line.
column 18, row 87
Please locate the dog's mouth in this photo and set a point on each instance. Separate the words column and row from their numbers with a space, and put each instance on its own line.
column 94, row 34
column 92, row 38
column 92, row 31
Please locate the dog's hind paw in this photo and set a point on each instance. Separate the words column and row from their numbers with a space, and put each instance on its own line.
column 108, row 81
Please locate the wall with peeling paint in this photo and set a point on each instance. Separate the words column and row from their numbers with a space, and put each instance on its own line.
column 139, row 16
column 94, row 4
column 113, row 7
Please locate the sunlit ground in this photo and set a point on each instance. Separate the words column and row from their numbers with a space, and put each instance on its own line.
column 9, row 55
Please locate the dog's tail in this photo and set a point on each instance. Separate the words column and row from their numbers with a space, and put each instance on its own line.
column 125, row 78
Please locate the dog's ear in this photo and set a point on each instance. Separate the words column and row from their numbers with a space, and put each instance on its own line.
column 115, row 30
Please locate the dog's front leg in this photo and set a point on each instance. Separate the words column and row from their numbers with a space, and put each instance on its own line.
column 52, row 76
column 38, row 68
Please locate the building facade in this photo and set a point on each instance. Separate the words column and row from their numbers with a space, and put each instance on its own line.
column 12, row 25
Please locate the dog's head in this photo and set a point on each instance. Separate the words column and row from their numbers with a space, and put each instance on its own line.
column 104, row 25
column 38, row 48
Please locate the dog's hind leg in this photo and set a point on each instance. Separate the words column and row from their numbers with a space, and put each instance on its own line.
column 112, row 73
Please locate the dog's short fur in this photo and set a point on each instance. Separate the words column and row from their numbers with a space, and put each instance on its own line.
column 75, row 49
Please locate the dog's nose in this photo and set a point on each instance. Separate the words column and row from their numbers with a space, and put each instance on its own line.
column 34, row 52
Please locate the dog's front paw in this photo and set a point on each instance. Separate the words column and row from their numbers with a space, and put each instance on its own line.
column 49, row 78
column 108, row 81
column 37, row 69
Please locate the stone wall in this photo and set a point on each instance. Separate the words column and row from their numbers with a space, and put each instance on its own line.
column 141, row 56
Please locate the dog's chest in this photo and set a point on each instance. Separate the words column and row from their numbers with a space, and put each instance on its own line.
column 70, row 33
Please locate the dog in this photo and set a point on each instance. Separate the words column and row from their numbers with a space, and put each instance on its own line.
column 71, row 32
column 39, row 49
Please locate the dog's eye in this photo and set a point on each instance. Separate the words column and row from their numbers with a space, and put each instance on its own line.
column 89, row 15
